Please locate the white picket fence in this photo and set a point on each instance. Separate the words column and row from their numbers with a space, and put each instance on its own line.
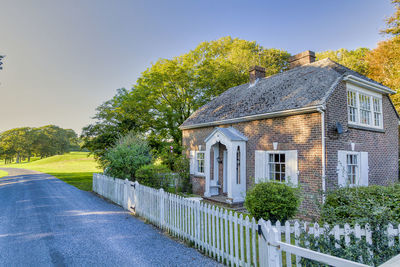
column 227, row 236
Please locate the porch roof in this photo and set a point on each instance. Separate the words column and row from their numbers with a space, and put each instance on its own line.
column 231, row 133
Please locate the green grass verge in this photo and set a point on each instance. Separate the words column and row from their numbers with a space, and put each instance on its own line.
column 75, row 168
column 3, row 173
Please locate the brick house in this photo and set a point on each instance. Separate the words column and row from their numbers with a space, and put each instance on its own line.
column 319, row 125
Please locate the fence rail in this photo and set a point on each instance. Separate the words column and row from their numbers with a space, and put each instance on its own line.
column 231, row 238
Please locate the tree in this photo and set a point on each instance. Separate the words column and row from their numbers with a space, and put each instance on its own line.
column 384, row 66
column 15, row 142
column 170, row 90
column 393, row 23
column 112, row 120
column 353, row 59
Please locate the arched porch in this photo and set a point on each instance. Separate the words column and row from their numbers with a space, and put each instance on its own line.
column 225, row 164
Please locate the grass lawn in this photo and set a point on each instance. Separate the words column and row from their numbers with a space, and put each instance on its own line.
column 75, row 168
column 3, row 173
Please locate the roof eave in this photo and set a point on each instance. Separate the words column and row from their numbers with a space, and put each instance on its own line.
column 275, row 114
column 368, row 85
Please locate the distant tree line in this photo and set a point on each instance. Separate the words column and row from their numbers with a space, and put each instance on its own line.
column 23, row 143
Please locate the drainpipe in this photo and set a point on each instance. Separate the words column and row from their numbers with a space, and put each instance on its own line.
column 323, row 158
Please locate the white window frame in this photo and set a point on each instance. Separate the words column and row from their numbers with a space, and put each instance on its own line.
column 357, row 177
column 261, row 166
column 372, row 96
column 196, row 167
column 362, row 166
column 269, row 163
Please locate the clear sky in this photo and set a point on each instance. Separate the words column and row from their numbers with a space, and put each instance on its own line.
column 65, row 57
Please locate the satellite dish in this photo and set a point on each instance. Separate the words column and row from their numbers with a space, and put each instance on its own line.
column 339, row 128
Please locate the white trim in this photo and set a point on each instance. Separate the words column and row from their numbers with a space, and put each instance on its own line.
column 256, row 117
column 236, row 192
column 368, row 85
column 363, row 169
column 196, row 167
column 294, row 179
column 358, row 90
column 323, row 152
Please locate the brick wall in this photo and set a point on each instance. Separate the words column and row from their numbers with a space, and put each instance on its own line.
column 382, row 147
column 297, row 132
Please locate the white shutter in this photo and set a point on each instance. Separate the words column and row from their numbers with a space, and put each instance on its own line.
column 192, row 161
column 259, row 165
column 364, row 169
column 291, row 167
column 342, row 168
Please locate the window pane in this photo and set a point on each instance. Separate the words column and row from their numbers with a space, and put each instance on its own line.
column 365, row 109
column 352, row 168
column 200, row 162
column 352, row 106
column 377, row 111
column 276, row 166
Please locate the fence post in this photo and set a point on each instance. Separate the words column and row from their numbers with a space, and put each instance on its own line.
column 137, row 204
column 273, row 250
column 125, row 203
column 262, row 244
column 161, row 192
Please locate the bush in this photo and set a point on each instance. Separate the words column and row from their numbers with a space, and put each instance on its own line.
column 126, row 157
column 360, row 204
column 156, row 176
column 376, row 205
column 272, row 201
column 182, row 168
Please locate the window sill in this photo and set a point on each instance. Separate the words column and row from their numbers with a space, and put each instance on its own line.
column 366, row 128
column 201, row 175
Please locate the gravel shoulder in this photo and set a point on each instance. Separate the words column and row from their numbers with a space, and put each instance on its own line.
column 46, row 222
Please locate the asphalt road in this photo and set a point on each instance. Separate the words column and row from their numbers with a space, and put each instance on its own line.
column 46, row 222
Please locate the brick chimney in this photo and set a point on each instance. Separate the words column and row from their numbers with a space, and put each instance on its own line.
column 256, row 72
column 302, row 59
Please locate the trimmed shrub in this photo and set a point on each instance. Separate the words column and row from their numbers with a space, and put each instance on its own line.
column 272, row 201
column 361, row 204
column 126, row 157
column 156, row 176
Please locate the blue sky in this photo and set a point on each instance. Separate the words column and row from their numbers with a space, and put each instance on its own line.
column 65, row 57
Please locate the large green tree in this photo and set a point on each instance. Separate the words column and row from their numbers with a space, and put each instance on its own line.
column 170, row 90
column 113, row 119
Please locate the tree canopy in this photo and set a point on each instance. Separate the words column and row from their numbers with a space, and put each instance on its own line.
column 171, row 89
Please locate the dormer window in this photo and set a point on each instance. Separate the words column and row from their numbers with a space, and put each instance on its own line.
column 364, row 107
